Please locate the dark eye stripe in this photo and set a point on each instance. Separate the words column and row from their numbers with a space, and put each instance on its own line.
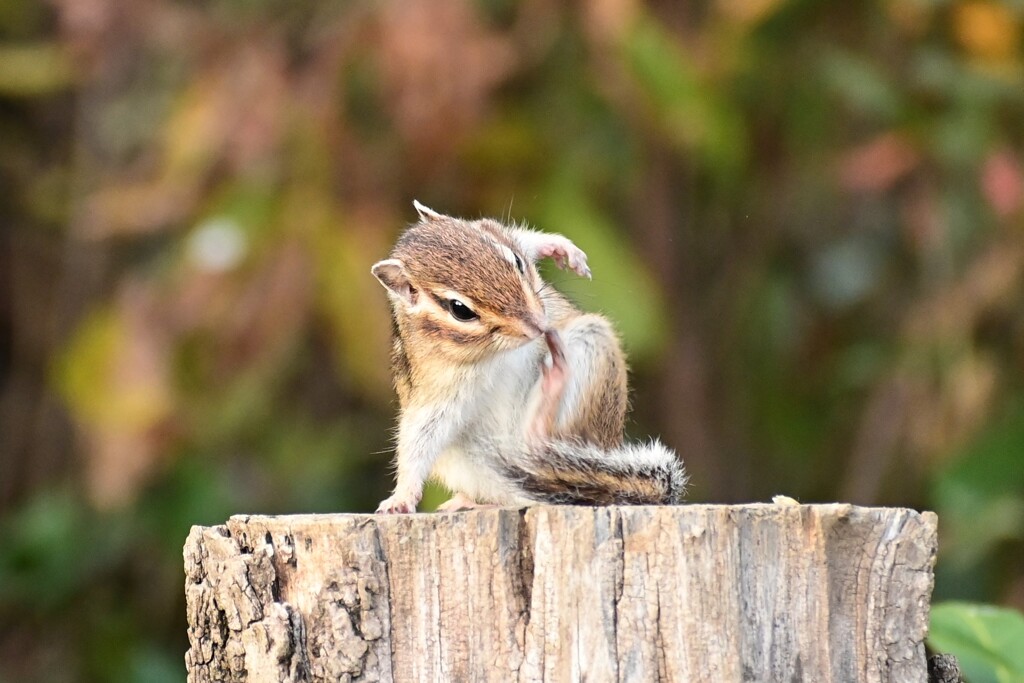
column 519, row 264
column 443, row 303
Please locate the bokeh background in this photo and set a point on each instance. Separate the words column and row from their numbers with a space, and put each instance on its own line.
column 805, row 217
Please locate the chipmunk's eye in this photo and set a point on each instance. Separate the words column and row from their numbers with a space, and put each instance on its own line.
column 519, row 264
column 461, row 311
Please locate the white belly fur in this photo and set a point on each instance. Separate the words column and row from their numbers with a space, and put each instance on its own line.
column 494, row 408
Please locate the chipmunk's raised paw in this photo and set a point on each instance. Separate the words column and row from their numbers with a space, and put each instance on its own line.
column 565, row 254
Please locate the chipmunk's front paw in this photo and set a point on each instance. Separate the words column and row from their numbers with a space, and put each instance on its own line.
column 397, row 504
column 565, row 254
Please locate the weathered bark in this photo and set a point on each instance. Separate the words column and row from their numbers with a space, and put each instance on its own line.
column 688, row 593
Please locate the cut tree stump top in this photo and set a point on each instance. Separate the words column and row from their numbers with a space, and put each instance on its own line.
column 688, row 593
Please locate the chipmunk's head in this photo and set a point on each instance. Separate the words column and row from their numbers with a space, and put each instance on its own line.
column 465, row 287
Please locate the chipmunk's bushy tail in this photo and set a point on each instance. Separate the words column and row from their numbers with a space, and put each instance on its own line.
column 572, row 473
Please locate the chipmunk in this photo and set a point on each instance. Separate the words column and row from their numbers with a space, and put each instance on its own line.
column 508, row 394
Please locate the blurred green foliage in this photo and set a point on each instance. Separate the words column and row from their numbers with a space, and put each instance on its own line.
column 806, row 219
column 985, row 639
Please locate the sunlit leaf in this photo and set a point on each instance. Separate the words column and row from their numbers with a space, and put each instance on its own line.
column 32, row 70
column 194, row 134
column 987, row 30
column 986, row 640
column 101, row 383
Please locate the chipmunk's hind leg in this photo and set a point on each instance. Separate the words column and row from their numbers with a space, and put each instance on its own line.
column 595, row 396
column 461, row 501
column 546, row 407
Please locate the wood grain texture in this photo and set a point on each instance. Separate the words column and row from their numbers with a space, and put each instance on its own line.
column 686, row 593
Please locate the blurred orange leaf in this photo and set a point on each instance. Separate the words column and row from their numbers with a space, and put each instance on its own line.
column 989, row 31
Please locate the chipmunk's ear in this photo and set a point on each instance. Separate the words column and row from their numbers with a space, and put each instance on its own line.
column 425, row 212
column 391, row 273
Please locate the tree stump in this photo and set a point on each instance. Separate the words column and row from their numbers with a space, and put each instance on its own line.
column 686, row 593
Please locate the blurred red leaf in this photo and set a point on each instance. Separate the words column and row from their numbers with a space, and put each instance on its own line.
column 1002, row 182
column 440, row 63
column 877, row 165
